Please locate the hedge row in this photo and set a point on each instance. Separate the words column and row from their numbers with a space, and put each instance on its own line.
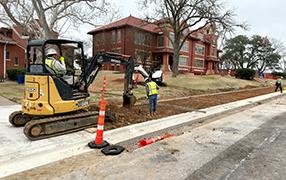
column 13, row 73
column 279, row 74
column 245, row 73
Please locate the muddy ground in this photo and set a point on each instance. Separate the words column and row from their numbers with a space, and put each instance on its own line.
column 139, row 113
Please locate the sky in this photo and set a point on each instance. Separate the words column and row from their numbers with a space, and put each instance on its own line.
column 264, row 17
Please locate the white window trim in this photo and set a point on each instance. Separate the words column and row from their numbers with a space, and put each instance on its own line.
column 118, row 40
column 201, row 46
column 200, row 60
column 161, row 35
column 212, row 48
column 184, row 56
column 15, row 63
column 197, row 69
column 170, row 45
column 113, row 41
column 188, row 47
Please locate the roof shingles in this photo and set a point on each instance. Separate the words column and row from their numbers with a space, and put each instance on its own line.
column 6, row 39
column 131, row 21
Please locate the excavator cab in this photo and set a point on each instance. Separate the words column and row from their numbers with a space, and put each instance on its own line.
column 48, row 92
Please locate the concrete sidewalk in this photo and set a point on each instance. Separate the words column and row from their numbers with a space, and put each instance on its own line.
column 17, row 153
column 5, row 102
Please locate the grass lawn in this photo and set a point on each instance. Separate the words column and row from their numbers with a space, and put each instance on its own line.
column 183, row 85
column 12, row 90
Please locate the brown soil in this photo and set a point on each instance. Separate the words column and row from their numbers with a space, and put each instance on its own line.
column 139, row 113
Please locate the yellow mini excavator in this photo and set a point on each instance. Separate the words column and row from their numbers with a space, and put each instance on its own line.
column 56, row 104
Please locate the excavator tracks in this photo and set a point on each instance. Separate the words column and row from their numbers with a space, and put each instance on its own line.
column 55, row 126
column 18, row 118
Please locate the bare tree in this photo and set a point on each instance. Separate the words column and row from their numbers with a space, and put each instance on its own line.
column 185, row 17
column 280, row 48
column 48, row 18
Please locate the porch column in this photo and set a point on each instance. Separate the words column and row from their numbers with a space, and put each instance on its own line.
column 165, row 62
column 216, row 71
column 5, row 50
column 210, row 68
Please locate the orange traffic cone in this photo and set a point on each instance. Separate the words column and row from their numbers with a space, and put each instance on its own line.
column 145, row 142
column 99, row 142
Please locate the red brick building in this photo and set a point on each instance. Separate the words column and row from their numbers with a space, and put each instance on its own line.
column 150, row 46
column 12, row 50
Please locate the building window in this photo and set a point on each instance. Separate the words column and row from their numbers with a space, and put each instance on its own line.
column 141, row 56
column 161, row 41
column 139, row 38
column 171, row 39
column 200, row 49
column 185, row 46
column 16, row 63
column 7, row 55
column 213, row 51
column 99, row 39
column 102, row 38
column 199, row 63
column 148, row 39
column 113, row 36
column 118, row 37
column 183, row 60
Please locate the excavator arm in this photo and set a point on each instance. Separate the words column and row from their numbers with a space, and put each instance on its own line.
column 95, row 64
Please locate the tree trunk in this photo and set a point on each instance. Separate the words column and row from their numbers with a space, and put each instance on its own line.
column 175, row 69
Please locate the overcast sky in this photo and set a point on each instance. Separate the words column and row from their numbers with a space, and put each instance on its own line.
column 265, row 17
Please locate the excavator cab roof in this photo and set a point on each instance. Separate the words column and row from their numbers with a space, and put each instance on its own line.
column 37, row 51
column 51, row 41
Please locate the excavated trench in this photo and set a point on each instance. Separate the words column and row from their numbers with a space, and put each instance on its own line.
column 139, row 113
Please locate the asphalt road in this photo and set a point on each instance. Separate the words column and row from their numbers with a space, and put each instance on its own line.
column 259, row 155
column 245, row 145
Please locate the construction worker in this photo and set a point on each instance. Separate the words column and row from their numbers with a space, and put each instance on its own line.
column 279, row 84
column 56, row 63
column 152, row 95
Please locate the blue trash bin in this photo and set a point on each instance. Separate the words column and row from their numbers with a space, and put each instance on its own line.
column 21, row 79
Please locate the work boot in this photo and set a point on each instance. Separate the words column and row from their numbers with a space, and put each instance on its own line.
column 149, row 115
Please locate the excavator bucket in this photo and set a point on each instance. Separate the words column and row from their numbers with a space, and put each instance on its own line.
column 129, row 100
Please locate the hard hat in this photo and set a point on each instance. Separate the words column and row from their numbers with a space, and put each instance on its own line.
column 146, row 79
column 51, row 51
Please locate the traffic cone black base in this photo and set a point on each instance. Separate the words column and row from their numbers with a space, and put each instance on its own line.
column 92, row 145
column 112, row 150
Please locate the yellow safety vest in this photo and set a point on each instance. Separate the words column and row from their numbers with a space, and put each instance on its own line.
column 152, row 88
column 51, row 64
